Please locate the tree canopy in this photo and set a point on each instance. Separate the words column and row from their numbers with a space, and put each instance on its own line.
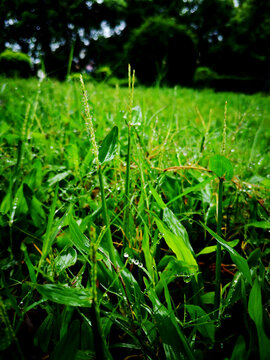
column 163, row 39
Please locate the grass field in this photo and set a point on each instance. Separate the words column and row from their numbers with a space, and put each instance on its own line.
column 134, row 224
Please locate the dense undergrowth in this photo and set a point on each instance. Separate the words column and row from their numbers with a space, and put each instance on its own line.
column 104, row 260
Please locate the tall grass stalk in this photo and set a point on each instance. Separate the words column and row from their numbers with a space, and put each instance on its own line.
column 91, row 133
column 218, row 253
column 102, row 352
column 219, row 223
column 131, row 80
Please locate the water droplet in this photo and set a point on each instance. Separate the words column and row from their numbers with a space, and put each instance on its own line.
column 126, row 255
column 217, row 323
column 187, row 279
column 136, row 262
column 232, row 150
column 140, row 265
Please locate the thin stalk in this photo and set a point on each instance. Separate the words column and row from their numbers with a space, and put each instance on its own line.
column 91, row 134
column 218, row 253
column 127, row 190
column 108, row 234
column 131, row 81
column 101, row 348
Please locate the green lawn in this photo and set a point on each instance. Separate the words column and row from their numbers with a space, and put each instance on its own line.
column 142, row 286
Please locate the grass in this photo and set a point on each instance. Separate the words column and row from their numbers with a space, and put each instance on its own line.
column 75, row 284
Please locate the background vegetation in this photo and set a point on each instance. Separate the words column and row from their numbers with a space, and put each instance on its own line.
column 229, row 37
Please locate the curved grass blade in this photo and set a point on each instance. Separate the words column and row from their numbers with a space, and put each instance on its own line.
column 255, row 310
column 236, row 258
column 174, row 342
column 65, row 295
column 79, row 240
column 67, row 347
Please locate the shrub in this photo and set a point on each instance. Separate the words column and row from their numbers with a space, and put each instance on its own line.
column 15, row 64
column 161, row 50
column 204, row 76
column 76, row 77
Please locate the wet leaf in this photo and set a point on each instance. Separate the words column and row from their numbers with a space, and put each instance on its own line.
column 221, row 166
column 108, row 148
column 66, row 295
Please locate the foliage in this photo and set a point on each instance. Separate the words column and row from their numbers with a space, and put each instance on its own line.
column 204, row 76
column 69, row 290
column 15, row 64
column 162, row 50
column 232, row 42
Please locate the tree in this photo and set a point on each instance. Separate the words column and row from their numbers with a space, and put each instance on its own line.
column 47, row 28
column 161, row 49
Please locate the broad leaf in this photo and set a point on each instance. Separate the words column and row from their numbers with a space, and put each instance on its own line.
column 65, row 295
column 108, row 147
column 67, row 258
column 176, row 227
column 178, row 246
column 221, row 166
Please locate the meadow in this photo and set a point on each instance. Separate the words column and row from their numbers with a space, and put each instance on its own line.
column 134, row 222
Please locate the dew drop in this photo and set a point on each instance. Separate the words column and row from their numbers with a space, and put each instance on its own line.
column 187, row 279
column 126, row 255
column 217, row 323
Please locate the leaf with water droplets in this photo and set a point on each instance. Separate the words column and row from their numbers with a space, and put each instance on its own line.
column 221, row 166
column 108, row 147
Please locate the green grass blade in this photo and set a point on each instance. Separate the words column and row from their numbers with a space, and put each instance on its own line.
column 65, row 295
column 236, row 258
column 176, row 227
column 178, row 246
column 255, row 310
column 79, row 240
column 190, row 189
column 174, row 342
column 47, row 243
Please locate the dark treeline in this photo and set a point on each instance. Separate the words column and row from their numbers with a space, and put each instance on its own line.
column 164, row 40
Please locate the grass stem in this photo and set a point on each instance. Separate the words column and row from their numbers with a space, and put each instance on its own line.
column 131, row 81
column 218, row 253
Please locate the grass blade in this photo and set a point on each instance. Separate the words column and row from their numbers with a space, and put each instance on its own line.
column 65, row 295
column 236, row 258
